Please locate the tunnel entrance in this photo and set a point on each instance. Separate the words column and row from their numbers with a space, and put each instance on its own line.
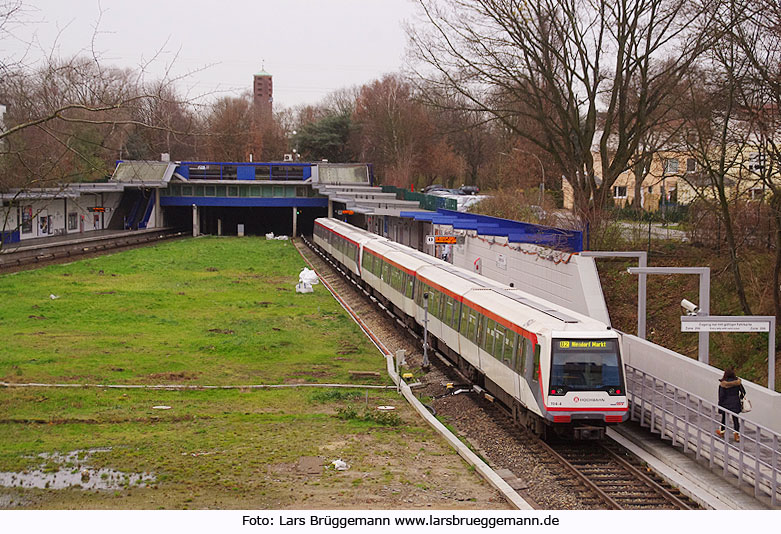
column 258, row 220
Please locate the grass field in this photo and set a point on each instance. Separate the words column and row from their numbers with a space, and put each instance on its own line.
column 200, row 311
column 204, row 311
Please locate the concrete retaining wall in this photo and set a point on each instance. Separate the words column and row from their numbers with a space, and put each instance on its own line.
column 566, row 279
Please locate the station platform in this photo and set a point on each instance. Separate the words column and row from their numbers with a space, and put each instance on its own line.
column 695, row 479
column 37, row 243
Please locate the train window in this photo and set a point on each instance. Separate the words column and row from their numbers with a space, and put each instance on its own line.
column 520, row 358
column 385, row 272
column 487, row 334
column 433, row 303
column 536, row 362
column 585, row 364
column 456, row 315
column 509, row 346
column 501, row 333
column 472, row 325
column 410, row 291
column 366, row 261
column 464, row 320
column 448, row 315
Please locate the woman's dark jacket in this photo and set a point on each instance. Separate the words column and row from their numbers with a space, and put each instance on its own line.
column 730, row 394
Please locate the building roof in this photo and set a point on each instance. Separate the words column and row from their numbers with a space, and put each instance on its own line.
column 262, row 73
column 148, row 173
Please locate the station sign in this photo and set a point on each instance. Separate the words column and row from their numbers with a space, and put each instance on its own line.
column 345, row 212
column 444, row 240
column 96, row 209
column 691, row 324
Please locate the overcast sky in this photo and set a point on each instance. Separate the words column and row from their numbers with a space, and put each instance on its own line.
column 310, row 47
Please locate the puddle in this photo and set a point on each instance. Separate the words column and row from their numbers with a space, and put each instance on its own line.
column 60, row 471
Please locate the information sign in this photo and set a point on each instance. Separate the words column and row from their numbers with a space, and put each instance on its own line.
column 691, row 324
column 444, row 240
column 501, row 261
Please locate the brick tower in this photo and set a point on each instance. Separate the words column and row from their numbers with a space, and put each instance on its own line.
column 263, row 91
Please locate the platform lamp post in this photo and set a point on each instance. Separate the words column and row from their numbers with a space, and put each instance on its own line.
column 704, row 296
column 642, row 261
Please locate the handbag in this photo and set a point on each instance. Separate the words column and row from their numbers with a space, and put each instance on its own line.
column 745, row 405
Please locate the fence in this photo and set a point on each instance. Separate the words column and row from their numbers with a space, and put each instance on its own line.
column 690, row 421
column 426, row 202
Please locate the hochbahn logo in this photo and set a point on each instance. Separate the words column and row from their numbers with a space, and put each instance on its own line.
column 586, row 399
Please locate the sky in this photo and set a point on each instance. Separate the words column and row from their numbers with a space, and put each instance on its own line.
column 310, row 47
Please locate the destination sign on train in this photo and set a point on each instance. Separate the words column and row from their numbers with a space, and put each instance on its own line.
column 581, row 344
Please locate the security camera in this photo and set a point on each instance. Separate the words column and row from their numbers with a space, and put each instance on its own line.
column 690, row 307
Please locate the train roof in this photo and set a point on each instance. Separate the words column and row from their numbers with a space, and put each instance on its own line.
column 532, row 317
column 448, row 283
column 350, row 232
column 457, row 280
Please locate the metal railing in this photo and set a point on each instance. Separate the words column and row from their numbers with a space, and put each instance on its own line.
column 690, row 421
column 426, row 202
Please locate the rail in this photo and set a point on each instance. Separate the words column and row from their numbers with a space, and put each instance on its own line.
column 690, row 421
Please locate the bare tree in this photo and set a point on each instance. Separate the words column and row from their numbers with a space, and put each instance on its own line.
column 757, row 33
column 69, row 118
column 587, row 74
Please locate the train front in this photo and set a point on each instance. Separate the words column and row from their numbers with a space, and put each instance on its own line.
column 586, row 391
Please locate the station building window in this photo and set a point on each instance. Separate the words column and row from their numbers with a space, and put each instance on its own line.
column 187, row 190
column 199, row 190
column 210, row 191
column 233, row 190
column 73, row 220
column 229, row 172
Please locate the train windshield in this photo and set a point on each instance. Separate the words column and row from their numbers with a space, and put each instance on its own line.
column 585, row 364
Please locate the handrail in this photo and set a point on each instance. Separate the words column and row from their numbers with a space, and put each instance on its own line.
column 690, row 421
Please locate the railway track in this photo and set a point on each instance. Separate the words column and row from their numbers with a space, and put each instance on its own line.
column 563, row 475
column 32, row 257
column 618, row 483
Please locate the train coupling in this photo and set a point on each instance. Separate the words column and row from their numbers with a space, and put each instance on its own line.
column 589, row 432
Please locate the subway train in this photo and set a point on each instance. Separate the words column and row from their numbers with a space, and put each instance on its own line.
column 557, row 371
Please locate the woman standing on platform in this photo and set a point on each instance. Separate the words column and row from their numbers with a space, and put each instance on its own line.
column 731, row 391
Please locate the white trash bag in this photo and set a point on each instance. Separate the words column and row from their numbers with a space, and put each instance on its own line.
column 308, row 276
column 270, row 236
column 340, row 465
column 303, row 287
